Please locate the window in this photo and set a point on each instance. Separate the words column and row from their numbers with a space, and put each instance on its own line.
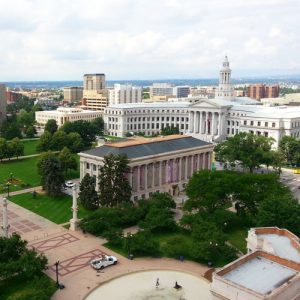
column 266, row 134
column 245, row 122
column 228, row 130
column 88, row 166
column 273, row 124
column 266, row 124
column 251, row 123
column 258, row 123
column 94, row 167
column 228, row 122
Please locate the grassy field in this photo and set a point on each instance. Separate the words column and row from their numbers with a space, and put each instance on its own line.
column 18, row 287
column 237, row 238
column 30, row 146
column 57, row 210
column 25, row 170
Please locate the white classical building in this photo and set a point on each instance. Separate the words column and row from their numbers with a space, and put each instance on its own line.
column 211, row 120
column 124, row 93
column 65, row 114
column 161, row 164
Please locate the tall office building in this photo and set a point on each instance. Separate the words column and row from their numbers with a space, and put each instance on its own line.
column 95, row 95
column 2, row 103
column 73, row 93
column 124, row 93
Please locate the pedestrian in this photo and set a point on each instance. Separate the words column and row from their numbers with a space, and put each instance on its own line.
column 157, row 282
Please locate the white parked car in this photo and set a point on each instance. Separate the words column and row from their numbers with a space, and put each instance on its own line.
column 103, row 261
column 69, row 184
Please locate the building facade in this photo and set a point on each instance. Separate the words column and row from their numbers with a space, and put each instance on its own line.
column 73, row 93
column 124, row 93
column 2, row 103
column 161, row 89
column 259, row 91
column 95, row 94
column 148, row 118
column 65, row 114
column 156, row 165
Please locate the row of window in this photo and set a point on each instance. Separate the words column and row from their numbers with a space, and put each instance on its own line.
column 153, row 119
column 295, row 124
column 259, row 123
column 145, row 111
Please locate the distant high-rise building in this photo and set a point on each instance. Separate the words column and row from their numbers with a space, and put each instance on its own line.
column 2, row 103
column 181, row 91
column 73, row 93
column 161, row 89
column 12, row 97
column 259, row 91
column 124, row 93
column 95, row 95
column 94, row 82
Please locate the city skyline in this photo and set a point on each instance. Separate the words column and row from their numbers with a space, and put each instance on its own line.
column 61, row 40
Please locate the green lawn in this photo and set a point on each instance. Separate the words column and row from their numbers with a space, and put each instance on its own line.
column 26, row 171
column 237, row 238
column 18, row 287
column 30, row 146
column 55, row 209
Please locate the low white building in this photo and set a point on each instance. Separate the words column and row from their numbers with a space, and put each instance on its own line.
column 65, row 114
column 270, row 270
column 124, row 93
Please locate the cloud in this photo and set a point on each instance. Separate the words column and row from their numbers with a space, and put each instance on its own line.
column 128, row 39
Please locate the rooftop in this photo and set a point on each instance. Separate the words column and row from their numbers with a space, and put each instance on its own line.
column 141, row 147
column 151, row 105
column 260, row 274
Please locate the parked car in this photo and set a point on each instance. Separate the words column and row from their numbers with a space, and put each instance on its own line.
column 103, row 261
column 69, row 184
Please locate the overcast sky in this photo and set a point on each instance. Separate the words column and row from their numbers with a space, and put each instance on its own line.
column 147, row 39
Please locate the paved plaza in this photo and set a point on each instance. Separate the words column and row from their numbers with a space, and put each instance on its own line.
column 74, row 250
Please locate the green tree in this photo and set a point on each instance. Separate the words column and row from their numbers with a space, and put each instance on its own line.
column 290, row 147
column 282, row 211
column 114, row 187
column 98, row 124
column 59, row 140
column 25, row 119
column 3, row 148
column 169, row 130
column 45, row 141
column 142, row 243
column 51, row 126
column 75, row 143
column 17, row 146
column 30, row 132
column 52, row 179
column 10, row 130
column 208, row 190
column 67, row 160
column 16, row 259
column 88, row 195
column 245, row 148
column 86, row 130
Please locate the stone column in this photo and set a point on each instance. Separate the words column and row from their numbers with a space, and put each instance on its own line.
column 146, row 177
column 138, row 179
column 213, row 124
column 153, row 175
column 195, row 121
column 180, row 168
column 160, row 174
column 219, row 125
column 206, row 127
column 130, row 177
column 201, row 125
column 5, row 225
column 191, row 125
column 186, row 167
column 74, row 220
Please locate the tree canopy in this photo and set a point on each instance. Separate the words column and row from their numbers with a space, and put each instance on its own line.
column 50, row 169
column 87, row 194
column 249, row 150
column 51, row 126
column 169, row 130
column 114, row 187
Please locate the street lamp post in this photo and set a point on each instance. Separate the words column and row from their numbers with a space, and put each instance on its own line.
column 56, row 269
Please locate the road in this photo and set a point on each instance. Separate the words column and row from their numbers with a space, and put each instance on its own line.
column 292, row 181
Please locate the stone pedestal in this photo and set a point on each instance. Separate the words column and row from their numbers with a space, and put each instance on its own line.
column 74, row 221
